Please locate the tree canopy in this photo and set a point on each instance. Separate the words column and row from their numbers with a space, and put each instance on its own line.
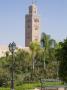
column 62, row 58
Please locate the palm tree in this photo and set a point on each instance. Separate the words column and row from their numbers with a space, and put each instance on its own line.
column 34, row 47
column 48, row 46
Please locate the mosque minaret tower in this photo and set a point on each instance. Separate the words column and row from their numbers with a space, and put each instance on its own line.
column 32, row 25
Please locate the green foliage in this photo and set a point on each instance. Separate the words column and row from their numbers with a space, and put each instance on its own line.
column 62, row 58
column 29, row 86
column 48, row 57
column 39, row 62
column 4, row 76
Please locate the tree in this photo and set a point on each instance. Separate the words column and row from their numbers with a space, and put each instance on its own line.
column 34, row 47
column 4, row 75
column 22, row 67
column 62, row 58
column 49, row 46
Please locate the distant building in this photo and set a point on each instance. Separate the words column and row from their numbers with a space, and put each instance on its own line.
column 32, row 26
column 3, row 50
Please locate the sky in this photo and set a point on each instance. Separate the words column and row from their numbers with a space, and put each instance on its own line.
column 52, row 13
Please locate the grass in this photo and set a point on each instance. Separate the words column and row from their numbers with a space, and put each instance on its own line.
column 30, row 86
column 52, row 83
column 24, row 86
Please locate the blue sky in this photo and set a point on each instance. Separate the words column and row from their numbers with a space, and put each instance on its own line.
column 53, row 19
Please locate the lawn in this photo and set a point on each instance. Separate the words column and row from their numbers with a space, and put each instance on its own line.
column 29, row 86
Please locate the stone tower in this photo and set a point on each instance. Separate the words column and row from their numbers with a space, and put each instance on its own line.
column 32, row 26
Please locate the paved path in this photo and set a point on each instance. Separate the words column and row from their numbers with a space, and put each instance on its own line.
column 36, row 89
column 52, row 89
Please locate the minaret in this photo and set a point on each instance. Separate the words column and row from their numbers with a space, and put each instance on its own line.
column 32, row 26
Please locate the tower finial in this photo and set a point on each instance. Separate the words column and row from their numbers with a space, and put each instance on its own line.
column 34, row 1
